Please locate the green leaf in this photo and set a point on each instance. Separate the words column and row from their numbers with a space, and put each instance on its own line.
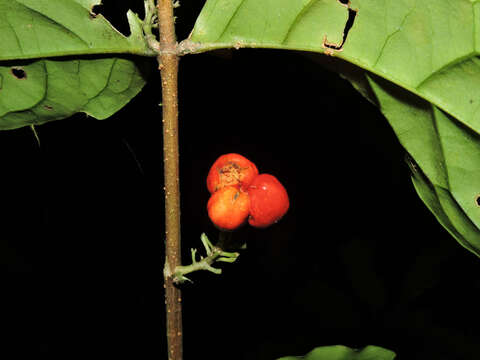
column 447, row 160
column 47, row 90
column 33, row 29
column 44, row 73
column 340, row 352
column 290, row 24
column 404, row 42
column 417, row 60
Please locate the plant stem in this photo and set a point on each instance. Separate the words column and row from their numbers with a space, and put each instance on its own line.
column 168, row 65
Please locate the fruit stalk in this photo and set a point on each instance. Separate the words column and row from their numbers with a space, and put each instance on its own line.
column 168, row 66
column 214, row 254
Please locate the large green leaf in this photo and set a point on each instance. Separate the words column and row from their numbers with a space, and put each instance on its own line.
column 416, row 59
column 46, row 90
column 295, row 24
column 429, row 48
column 33, row 29
column 53, row 62
column 339, row 352
column 446, row 170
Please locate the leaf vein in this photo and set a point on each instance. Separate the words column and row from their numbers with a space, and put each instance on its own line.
column 389, row 37
column 17, row 39
column 297, row 19
column 448, row 65
column 57, row 23
column 104, row 88
column 231, row 19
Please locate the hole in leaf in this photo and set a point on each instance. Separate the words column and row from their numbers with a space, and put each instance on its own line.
column 348, row 26
column 477, row 200
column 19, row 73
column 95, row 10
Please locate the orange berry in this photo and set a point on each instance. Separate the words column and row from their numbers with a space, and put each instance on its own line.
column 231, row 170
column 268, row 201
column 228, row 208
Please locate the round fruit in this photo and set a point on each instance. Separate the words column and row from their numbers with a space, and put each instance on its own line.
column 228, row 208
column 268, row 201
column 231, row 170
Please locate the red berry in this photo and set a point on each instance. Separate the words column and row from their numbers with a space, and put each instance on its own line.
column 231, row 170
column 268, row 201
column 228, row 208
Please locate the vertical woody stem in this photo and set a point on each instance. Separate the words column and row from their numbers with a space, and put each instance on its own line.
column 168, row 65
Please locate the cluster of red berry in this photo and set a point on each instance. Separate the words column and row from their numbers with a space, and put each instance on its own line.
column 239, row 193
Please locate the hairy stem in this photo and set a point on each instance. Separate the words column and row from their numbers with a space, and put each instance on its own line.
column 168, row 65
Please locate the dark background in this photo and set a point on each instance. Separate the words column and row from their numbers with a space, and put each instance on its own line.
column 358, row 259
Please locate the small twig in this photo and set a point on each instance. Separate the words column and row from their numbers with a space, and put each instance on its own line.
column 214, row 253
column 151, row 22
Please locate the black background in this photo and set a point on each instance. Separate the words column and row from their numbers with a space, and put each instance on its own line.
column 358, row 259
